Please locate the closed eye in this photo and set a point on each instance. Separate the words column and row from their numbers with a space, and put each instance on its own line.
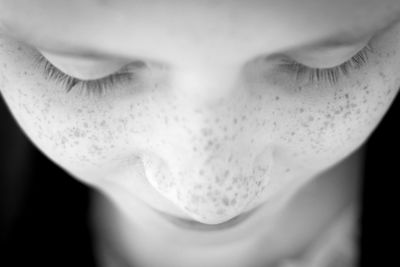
column 93, row 86
column 329, row 75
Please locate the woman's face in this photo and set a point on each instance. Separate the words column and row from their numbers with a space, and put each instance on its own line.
column 186, row 106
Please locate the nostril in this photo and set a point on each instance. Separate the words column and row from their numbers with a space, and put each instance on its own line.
column 157, row 174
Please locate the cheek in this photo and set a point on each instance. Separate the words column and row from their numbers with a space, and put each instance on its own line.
column 77, row 135
column 321, row 128
column 87, row 137
column 325, row 124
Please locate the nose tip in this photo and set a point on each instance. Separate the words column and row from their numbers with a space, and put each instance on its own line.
column 214, row 190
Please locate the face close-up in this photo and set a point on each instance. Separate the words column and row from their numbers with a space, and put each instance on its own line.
column 202, row 110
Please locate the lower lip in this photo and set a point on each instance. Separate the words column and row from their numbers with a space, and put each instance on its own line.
column 197, row 226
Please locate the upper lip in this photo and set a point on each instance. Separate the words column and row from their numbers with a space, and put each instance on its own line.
column 198, row 226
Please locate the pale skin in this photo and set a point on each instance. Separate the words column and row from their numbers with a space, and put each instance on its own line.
column 210, row 129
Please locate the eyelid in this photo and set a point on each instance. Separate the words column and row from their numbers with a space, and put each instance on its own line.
column 85, row 69
column 97, row 86
column 331, row 74
column 329, row 57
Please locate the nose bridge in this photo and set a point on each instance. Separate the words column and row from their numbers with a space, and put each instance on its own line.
column 205, row 82
column 214, row 124
column 206, row 142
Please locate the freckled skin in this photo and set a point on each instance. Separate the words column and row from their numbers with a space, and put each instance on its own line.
column 213, row 162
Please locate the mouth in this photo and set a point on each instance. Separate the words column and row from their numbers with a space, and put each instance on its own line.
column 198, row 226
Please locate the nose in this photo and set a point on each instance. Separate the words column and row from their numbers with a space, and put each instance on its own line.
column 206, row 83
column 209, row 162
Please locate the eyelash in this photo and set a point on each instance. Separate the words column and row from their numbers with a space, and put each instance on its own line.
column 102, row 85
column 328, row 75
column 97, row 86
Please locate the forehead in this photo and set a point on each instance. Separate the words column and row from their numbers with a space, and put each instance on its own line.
column 166, row 30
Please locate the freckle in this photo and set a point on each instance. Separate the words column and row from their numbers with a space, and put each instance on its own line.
column 277, row 98
column 311, row 118
column 225, row 200
column 301, row 110
column 198, row 186
column 235, row 120
column 218, row 180
column 206, row 131
column 64, row 140
column 243, row 117
column 226, row 173
column 221, row 212
column 76, row 133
